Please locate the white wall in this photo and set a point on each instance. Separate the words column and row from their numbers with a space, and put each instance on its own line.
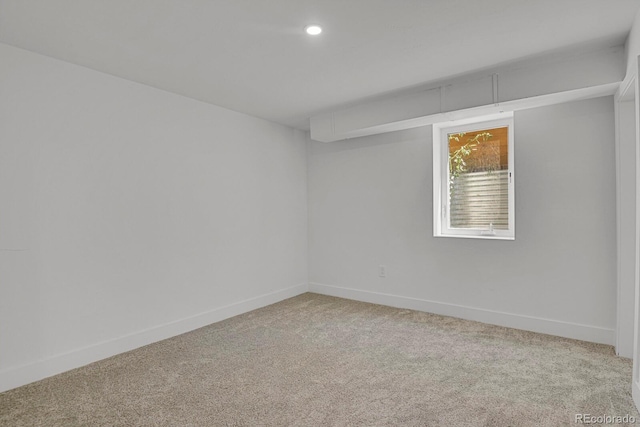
column 588, row 72
column 632, row 50
column 626, row 223
column 370, row 204
column 129, row 214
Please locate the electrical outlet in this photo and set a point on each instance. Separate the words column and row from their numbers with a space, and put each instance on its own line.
column 382, row 271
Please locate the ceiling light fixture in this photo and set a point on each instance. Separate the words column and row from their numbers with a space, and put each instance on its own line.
column 313, row 30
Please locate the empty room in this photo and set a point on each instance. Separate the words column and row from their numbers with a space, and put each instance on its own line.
column 319, row 212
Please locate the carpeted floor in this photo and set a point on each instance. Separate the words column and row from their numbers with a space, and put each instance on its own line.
column 315, row 360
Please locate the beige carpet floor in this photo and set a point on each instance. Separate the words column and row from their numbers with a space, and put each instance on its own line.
column 315, row 360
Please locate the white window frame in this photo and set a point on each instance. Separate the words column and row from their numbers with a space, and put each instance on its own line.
column 441, row 176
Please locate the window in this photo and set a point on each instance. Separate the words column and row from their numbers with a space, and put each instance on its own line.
column 473, row 178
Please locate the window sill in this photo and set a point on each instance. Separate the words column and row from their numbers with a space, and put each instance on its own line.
column 476, row 236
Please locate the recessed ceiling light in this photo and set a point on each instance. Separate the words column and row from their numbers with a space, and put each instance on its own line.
column 313, row 30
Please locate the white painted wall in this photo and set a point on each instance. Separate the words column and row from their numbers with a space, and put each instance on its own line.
column 630, row 84
column 588, row 72
column 626, row 222
column 635, row 381
column 632, row 50
column 128, row 214
column 370, row 205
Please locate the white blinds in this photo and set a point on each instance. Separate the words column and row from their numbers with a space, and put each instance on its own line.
column 478, row 199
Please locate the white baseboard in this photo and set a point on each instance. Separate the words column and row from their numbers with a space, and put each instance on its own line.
column 25, row 374
column 510, row 320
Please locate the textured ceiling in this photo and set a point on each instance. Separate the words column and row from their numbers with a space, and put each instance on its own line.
column 252, row 56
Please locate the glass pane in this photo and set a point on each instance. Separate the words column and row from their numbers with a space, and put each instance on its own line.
column 479, row 179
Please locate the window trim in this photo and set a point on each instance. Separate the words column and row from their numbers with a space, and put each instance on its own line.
column 441, row 176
